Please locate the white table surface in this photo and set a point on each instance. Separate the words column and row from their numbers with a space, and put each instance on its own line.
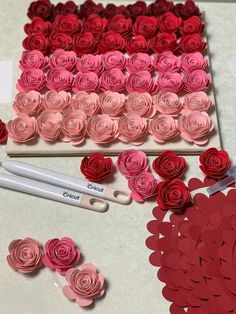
column 113, row 241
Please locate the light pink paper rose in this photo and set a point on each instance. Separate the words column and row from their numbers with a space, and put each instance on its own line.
column 49, row 125
column 113, row 80
column 132, row 128
column 22, row 129
column 197, row 81
column 195, row 127
column 167, row 103
column 139, row 62
column 90, row 63
column 112, row 103
column 102, row 129
column 57, row 102
column 132, row 162
column 163, row 128
column 193, row 61
column 89, row 103
column 141, row 82
column 197, row 101
column 33, row 59
column 33, row 79
column 63, row 59
column 166, row 62
column 170, row 82
column 59, row 79
column 29, row 103
column 114, row 59
column 87, row 82
column 141, row 104
column 85, row 284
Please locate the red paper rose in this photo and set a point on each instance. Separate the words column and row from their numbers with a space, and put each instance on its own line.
column 38, row 25
column 160, row 7
column 145, row 26
column 3, row 132
column 84, row 43
column 137, row 44
column 169, row 166
column 59, row 41
column 120, row 24
column 169, row 22
column 36, row 42
column 110, row 41
column 96, row 167
column 192, row 25
column 68, row 24
column 65, row 8
column 89, row 7
column 41, row 8
column 163, row 41
column 214, row 163
column 94, row 24
column 113, row 10
column 192, row 43
column 187, row 9
column 136, row 9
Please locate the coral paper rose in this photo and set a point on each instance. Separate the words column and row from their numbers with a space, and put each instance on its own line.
column 110, row 41
column 59, row 79
column 84, row 284
column 166, row 62
column 169, row 22
column 112, row 103
column 90, row 63
column 57, row 102
column 163, row 128
column 197, row 101
column 145, row 26
column 3, row 132
column 49, row 125
column 141, row 104
column 170, row 82
column 139, row 62
column 87, row 82
column 163, row 42
column 141, row 82
column 33, row 59
column 25, row 256
column 113, row 59
column 22, row 129
column 113, row 80
column 63, row 59
column 132, row 162
column 167, row 103
column 193, row 61
column 137, row 44
column 29, row 103
column 61, row 254
column 89, row 103
column 33, row 79
column 96, row 167
column 192, row 43
column 197, row 81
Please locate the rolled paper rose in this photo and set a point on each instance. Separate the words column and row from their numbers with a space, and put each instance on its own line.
column 192, row 25
column 29, row 103
column 33, row 59
column 137, row 44
column 38, row 26
column 120, row 24
column 94, row 23
column 145, row 26
column 112, row 10
column 84, row 43
column 163, row 42
column 193, row 61
column 59, row 79
column 59, row 41
column 102, row 129
column 112, row 103
column 132, row 162
column 3, row 132
column 49, row 125
column 136, row 9
column 139, row 62
column 42, row 9
column 88, row 82
column 141, row 104
column 170, row 82
column 143, row 186
column 90, row 63
column 167, row 103
column 89, row 103
column 163, row 128
column 68, row 24
column 197, row 101
column 114, row 59
column 132, row 128
column 65, row 8
column 169, row 22
column 57, row 102
column 96, row 167
column 187, row 9
column 113, row 80
column 25, row 255
column 196, row 81
column 141, row 82
column 63, row 59
column 166, row 62
column 110, row 41
column 195, row 127
column 36, row 42
column 61, row 254
column 33, row 79
column 22, row 129
column 169, row 166
column 192, row 43
column 160, row 7
column 85, row 284
column 88, row 8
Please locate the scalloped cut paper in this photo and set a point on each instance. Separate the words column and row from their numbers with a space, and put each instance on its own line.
column 196, row 253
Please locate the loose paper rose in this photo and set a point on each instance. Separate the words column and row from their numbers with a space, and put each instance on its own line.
column 197, row 101
column 33, row 79
column 38, row 25
column 193, row 61
column 112, row 103
column 113, row 59
column 141, row 82
column 139, row 62
column 113, row 80
column 102, row 129
column 167, row 103
column 94, row 24
column 96, row 167
column 68, row 24
column 25, row 256
column 192, row 25
column 61, row 254
column 29, row 103
column 132, row 162
column 90, row 63
column 36, row 42
column 41, row 8
column 49, row 125
column 63, row 59
column 143, row 186
column 59, row 41
column 166, row 62
column 192, row 43
column 195, row 127
column 59, row 79
column 32, row 60
column 110, row 41
column 57, row 102
column 163, row 42
column 88, row 82
column 169, row 166
column 120, row 24
column 141, row 104
column 170, row 82
column 137, row 44
column 132, row 128
column 196, row 81
column 84, row 43
column 3, row 132
column 145, row 26
column 85, row 284
column 163, row 128
column 22, row 129
column 169, row 22
column 89, row 103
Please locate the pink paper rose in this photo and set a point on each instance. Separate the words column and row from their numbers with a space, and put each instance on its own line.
column 132, row 162
column 197, row 101
column 170, row 82
column 167, row 103
column 139, row 62
column 166, row 62
column 193, row 61
column 113, row 59
column 197, row 81
column 29, row 103
column 141, row 104
column 49, row 125
column 102, row 129
column 57, row 102
column 33, row 59
column 112, row 103
column 33, row 79
column 63, row 59
column 141, row 82
column 132, row 128
column 85, row 284
column 90, row 63
column 59, row 79
column 61, row 254
column 195, row 127
column 143, row 186
column 163, row 128
column 89, row 103
column 88, row 82
column 22, row 129
column 113, row 80
column 25, row 256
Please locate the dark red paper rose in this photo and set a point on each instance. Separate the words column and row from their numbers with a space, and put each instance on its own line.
column 173, row 195
column 94, row 24
column 36, row 42
column 3, row 132
column 89, row 7
column 110, row 41
column 192, row 25
column 96, row 167
column 38, row 25
column 163, row 42
column 187, row 9
column 169, row 23
column 169, row 166
column 145, row 26
column 59, row 41
column 120, row 24
column 41, row 8
column 113, row 10
column 160, row 7
column 84, row 43
column 65, row 8
column 136, row 9
column 68, row 24
column 137, row 44
column 192, row 43
column 214, row 163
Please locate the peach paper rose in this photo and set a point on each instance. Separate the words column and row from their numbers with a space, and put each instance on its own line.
column 32, row 59
column 89, row 103
column 57, row 102
column 197, row 81
column 63, row 59
column 141, row 82
column 197, row 101
column 49, row 125
column 90, row 63
column 167, row 103
column 29, row 103
column 113, row 80
column 33, row 79
column 112, row 103
column 22, row 129
column 170, row 82
column 113, row 59
column 193, row 61
column 163, row 128
column 141, row 104
column 166, row 62
column 131, row 162
column 59, row 79
column 139, row 62
column 87, row 82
